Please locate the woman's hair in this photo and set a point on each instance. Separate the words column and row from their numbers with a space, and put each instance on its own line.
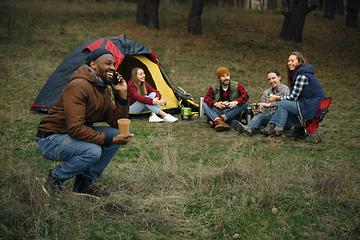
column 274, row 71
column 140, row 86
column 302, row 61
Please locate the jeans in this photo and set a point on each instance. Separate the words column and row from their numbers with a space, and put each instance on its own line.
column 286, row 111
column 78, row 156
column 139, row 107
column 231, row 114
column 262, row 119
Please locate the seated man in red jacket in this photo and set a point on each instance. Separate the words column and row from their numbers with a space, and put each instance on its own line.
column 67, row 134
column 224, row 101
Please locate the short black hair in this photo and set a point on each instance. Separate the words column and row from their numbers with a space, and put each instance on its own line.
column 274, row 71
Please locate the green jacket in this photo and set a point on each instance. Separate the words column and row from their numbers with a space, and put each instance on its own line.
column 234, row 91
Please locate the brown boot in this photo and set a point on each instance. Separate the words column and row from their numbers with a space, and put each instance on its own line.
column 297, row 133
column 220, row 125
column 275, row 136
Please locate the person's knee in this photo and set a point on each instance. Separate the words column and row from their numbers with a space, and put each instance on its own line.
column 92, row 154
column 152, row 95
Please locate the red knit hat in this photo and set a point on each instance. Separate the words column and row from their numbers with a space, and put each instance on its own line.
column 221, row 71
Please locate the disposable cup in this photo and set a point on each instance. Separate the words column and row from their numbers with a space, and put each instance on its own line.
column 124, row 126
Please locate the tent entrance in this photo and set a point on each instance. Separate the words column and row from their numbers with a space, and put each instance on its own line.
column 153, row 76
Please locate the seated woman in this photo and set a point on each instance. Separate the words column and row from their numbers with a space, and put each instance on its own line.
column 263, row 113
column 143, row 97
column 298, row 106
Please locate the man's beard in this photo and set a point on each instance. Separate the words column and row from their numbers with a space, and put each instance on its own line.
column 112, row 81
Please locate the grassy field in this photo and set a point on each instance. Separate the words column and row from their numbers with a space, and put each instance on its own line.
column 184, row 180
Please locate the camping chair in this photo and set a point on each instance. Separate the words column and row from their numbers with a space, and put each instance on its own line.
column 311, row 126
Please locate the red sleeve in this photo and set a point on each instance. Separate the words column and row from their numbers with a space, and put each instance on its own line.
column 244, row 96
column 209, row 98
column 135, row 96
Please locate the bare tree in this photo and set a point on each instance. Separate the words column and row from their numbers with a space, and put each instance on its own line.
column 339, row 7
column 294, row 21
column 147, row 13
column 194, row 19
column 272, row 4
column 351, row 16
column 329, row 9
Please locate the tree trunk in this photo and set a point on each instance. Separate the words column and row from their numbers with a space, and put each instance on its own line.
column 339, row 7
column 329, row 9
column 272, row 4
column 147, row 13
column 194, row 19
column 294, row 21
column 285, row 5
column 352, row 12
column 141, row 14
column 153, row 14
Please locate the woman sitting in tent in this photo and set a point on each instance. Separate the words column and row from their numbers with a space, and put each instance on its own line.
column 143, row 97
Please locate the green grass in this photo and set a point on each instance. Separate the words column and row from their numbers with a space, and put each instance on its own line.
column 184, row 180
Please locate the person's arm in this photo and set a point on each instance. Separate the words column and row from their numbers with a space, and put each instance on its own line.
column 134, row 94
column 283, row 91
column 121, row 111
column 209, row 98
column 75, row 98
column 299, row 84
column 243, row 95
column 264, row 101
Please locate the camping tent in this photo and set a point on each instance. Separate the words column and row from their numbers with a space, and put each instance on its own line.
column 128, row 54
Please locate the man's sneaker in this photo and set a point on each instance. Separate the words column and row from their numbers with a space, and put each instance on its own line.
column 268, row 129
column 84, row 185
column 239, row 127
column 154, row 118
column 53, row 186
column 169, row 118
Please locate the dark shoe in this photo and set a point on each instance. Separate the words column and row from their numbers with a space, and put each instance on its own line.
column 53, row 186
column 220, row 125
column 239, row 127
column 84, row 185
column 212, row 124
column 274, row 137
column 268, row 129
column 297, row 133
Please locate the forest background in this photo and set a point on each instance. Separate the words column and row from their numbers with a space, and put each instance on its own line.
column 184, row 180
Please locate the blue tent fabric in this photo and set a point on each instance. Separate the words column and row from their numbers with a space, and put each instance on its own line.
column 52, row 89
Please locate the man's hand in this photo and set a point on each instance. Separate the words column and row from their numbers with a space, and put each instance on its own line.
column 121, row 86
column 220, row 105
column 274, row 98
column 122, row 139
column 264, row 105
column 232, row 104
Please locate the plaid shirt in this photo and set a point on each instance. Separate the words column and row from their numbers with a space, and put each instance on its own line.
column 299, row 84
column 224, row 96
column 281, row 91
column 134, row 95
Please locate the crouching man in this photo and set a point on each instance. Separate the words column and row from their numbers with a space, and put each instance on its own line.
column 67, row 133
column 224, row 101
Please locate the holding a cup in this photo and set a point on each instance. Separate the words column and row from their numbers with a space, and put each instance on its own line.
column 124, row 126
